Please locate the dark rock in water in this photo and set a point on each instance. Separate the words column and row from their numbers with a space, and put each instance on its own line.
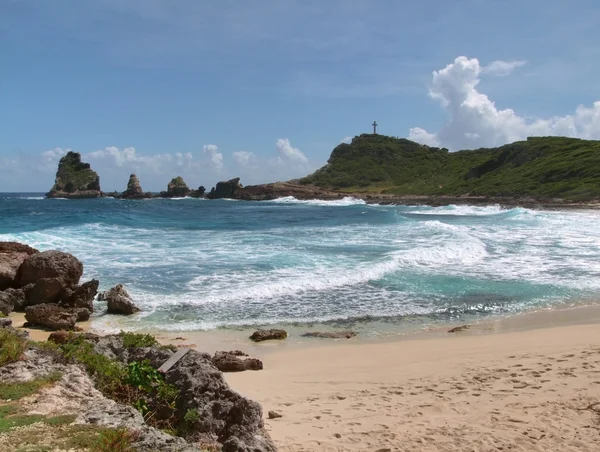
column 45, row 290
column 51, row 264
column 177, row 188
column 283, row 189
column 274, row 415
column 14, row 299
column 51, row 316
column 134, row 189
column 198, row 193
column 12, row 255
column 457, row 329
column 235, row 361
column 330, row 334
column 82, row 297
column 225, row 189
column 119, row 301
column 75, row 179
column 265, row 335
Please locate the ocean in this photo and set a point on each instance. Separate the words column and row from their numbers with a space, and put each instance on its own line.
column 196, row 265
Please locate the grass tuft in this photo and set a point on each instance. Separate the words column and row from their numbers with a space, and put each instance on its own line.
column 16, row 391
column 12, row 347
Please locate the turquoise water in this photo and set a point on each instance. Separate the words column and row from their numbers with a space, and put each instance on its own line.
column 198, row 265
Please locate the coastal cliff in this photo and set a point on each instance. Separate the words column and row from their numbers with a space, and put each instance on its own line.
column 75, row 179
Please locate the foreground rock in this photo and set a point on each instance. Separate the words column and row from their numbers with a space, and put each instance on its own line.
column 13, row 299
column 119, row 301
column 51, row 316
column 265, row 335
column 51, row 264
column 235, row 361
column 330, row 334
column 225, row 189
column 75, row 179
column 12, row 255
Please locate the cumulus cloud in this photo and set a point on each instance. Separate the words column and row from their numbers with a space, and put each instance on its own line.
column 288, row 153
column 129, row 157
column 245, row 158
column 214, row 156
column 475, row 121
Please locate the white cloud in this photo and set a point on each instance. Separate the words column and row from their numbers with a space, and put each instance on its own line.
column 244, row 158
column 288, row 153
column 215, row 157
column 128, row 157
column 474, row 121
column 502, row 68
column 346, row 140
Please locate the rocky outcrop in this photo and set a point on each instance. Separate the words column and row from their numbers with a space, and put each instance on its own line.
column 225, row 189
column 235, row 361
column 119, row 301
column 134, row 189
column 75, row 179
column 82, row 297
column 331, row 334
column 45, row 290
column 51, row 316
column 177, row 188
column 51, row 264
column 265, row 335
column 12, row 255
column 13, row 300
column 277, row 190
column 198, row 193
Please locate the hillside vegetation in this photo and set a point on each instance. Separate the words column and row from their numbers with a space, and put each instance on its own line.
column 541, row 167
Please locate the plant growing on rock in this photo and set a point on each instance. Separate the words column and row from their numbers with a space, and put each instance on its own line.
column 12, row 347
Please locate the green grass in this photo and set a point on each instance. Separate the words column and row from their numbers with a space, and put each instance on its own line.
column 541, row 167
column 16, row 391
column 12, row 347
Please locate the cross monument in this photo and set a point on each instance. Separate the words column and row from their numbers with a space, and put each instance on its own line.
column 374, row 127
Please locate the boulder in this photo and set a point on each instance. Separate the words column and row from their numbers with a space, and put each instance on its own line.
column 235, row 361
column 45, row 290
column 82, row 297
column 5, row 322
column 265, row 335
column 177, row 188
column 134, row 189
column 6, row 305
column 14, row 299
column 51, row 264
column 331, row 334
column 51, row 316
column 458, row 329
column 274, row 415
column 225, row 189
column 119, row 301
column 12, row 255
column 75, row 179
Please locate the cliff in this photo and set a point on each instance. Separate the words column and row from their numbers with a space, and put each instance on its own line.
column 75, row 179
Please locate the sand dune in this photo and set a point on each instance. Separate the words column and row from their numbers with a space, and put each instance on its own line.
column 537, row 390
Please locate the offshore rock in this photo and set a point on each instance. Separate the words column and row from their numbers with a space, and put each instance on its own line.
column 331, row 335
column 265, row 335
column 276, row 190
column 235, row 361
column 177, row 188
column 51, row 316
column 12, row 255
column 75, row 179
column 119, row 301
column 225, row 189
column 134, row 189
column 51, row 264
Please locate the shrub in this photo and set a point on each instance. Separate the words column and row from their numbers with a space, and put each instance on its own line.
column 119, row 440
column 134, row 340
column 12, row 347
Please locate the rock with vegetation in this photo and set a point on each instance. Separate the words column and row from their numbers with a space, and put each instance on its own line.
column 540, row 167
column 235, row 361
column 12, row 255
column 51, row 264
column 119, row 301
column 265, row 335
column 177, row 188
column 225, row 189
column 51, row 316
column 75, row 179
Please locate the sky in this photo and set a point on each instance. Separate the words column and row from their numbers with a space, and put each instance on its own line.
column 265, row 89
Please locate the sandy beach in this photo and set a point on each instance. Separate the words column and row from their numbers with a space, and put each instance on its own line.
column 523, row 390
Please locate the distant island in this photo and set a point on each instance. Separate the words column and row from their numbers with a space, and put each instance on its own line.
column 379, row 168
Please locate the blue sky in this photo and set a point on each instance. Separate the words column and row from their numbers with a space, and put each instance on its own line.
column 264, row 89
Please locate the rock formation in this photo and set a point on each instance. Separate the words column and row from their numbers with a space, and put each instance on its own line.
column 51, row 316
column 331, row 334
column 177, row 188
column 235, row 361
column 134, row 189
column 119, row 301
column 75, row 179
column 265, row 335
column 12, row 255
column 51, row 264
column 225, row 189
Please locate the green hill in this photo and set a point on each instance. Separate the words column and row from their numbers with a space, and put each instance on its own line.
column 541, row 167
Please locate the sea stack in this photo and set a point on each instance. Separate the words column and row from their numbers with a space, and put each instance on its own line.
column 225, row 189
column 75, row 179
column 134, row 189
column 177, row 188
